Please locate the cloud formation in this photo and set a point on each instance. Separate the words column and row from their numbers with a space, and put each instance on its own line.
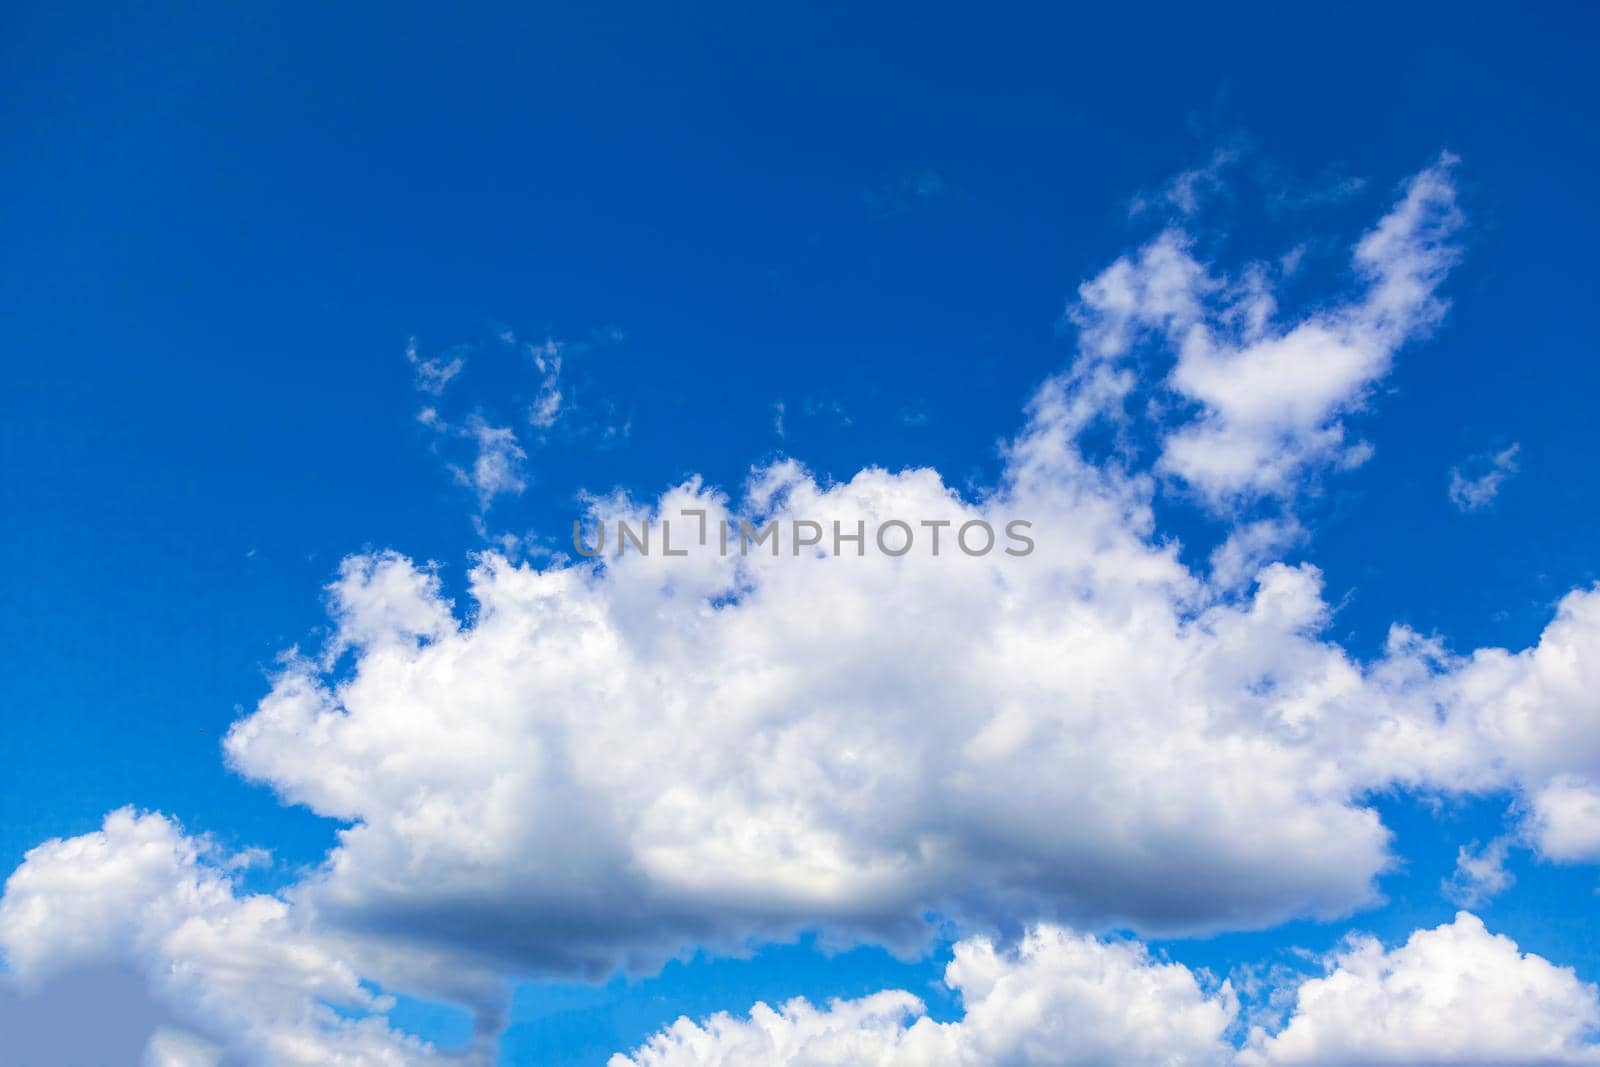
column 1265, row 400
column 1059, row 999
column 722, row 748
column 245, row 977
column 498, row 466
column 546, row 407
column 1480, row 874
column 1455, row 994
column 1475, row 484
column 434, row 373
column 596, row 765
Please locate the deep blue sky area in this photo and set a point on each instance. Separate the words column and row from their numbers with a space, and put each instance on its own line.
column 220, row 224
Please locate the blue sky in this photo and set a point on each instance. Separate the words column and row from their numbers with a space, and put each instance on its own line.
column 847, row 237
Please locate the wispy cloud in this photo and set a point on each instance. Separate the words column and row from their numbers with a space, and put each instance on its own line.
column 1476, row 482
column 1187, row 190
column 910, row 416
column 501, row 433
column 1480, row 875
column 829, row 409
column 432, row 375
column 546, row 407
column 907, row 191
column 498, row 468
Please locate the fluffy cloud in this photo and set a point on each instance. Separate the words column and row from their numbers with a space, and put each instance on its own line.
column 1265, row 400
column 716, row 748
column 597, row 764
column 719, row 748
column 1059, row 1000
column 249, row 983
column 1566, row 818
column 1455, row 994
column 241, row 973
column 1497, row 720
column 1451, row 995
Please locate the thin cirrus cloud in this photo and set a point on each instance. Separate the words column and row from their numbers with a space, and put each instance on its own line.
column 1185, row 193
column 433, row 374
column 598, row 765
column 495, row 463
column 497, row 467
column 1475, row 483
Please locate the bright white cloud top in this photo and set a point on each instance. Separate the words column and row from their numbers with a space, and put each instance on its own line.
column 1058, row 999
column 1456, row 994
column 596, row 766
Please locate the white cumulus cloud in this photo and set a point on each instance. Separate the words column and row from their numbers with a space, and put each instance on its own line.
column 1060, row 999
column 1455, row 994
column 1267, row 399
column 595, row 765
column 241, row 972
